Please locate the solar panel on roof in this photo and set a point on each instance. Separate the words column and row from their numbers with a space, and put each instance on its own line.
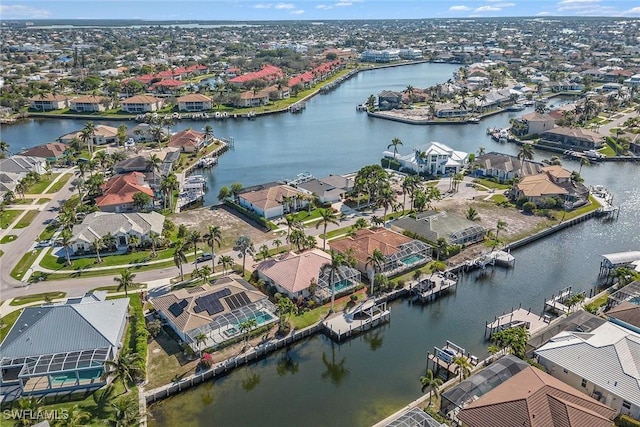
column 175, row 309
column 237, row 300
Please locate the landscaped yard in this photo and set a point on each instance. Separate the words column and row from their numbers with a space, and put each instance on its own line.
column 53, row 262
column 8, row 238
column 23, row 265
column 491, row 184
column 8, row 217
column 59, row 184
column 27, row 219
column 7, row 322
column 37, row 297
column 48, row 232
column 167, row 361
column 40, row 186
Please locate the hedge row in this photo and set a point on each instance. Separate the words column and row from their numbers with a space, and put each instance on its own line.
column 252, row 215
column 138, row 333
column 626, row 421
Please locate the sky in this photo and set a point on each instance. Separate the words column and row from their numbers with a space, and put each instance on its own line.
column 257, row 10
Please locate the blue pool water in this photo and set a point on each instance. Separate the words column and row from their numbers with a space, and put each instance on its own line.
column 343, row 284
column 412, row 259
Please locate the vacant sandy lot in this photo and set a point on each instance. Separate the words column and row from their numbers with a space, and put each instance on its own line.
column 229, row 222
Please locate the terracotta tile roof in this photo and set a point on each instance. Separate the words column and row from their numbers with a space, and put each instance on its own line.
column 89, row 99
column 49, row 97
column 168, row 83
column 187, row 137
column 194, row 97
column 121, row 188
column 269, row 197
column 533, row 398
column 52, row 149
column 556, row 171
column 626, row 312
column 268, row 72
column 141, row 99
column 366, row 241
column 294, row 272
column 575, row 133
column 539, row 185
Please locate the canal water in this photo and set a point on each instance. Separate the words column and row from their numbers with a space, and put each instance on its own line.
column 358, row 382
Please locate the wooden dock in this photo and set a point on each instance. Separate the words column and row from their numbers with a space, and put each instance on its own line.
column 360, row 318
column 435, row 285
column 557, row 302
column 519, row 317
column 443, row 359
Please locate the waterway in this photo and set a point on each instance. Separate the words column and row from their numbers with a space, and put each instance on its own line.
column 356, row 383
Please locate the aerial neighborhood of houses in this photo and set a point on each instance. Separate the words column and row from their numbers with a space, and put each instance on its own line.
column 121, row 286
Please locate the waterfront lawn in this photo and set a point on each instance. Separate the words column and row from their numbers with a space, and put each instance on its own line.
column 607, row 151
column 23, row 265
column 40, row 186
column 8, row 217
column 167, row 361
column 314, row 316
column 7, row 322
column 57, row 186
column 37, row 297
column 27, row 218
column 8, row 238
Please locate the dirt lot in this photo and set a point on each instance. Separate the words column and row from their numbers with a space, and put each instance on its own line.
column 231, row 224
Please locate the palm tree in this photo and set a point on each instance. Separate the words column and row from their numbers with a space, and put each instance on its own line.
column 213, row 237
column 208, row 132
column 244, row 246
column 442, row 248
column 134, row 241
column 263, row 251
column 87, row 134
column 472, row 214
column 153, row 165
column 327, row 216
column 291, row 224
column 463, row 366
column 125, row 368
column 199, row 340
column 109, row 241
column 179, row 257
column 204, row 273
column 298, row 238
column 500, row 226
column 124, row 412
column 168, row 184
column 65, row 241
column 583, row 162
column 96, row 245
column 376, row 261
column 4, row 149
column 125, row 281
column 333, row 268
column 76, row 417
column 156, row 240
column 431, row 382
column 526, row 152
column 277, row 243
column 394, row 143
column 194, row 238
column 246, row 327
column 226, row 261
column 386, row 200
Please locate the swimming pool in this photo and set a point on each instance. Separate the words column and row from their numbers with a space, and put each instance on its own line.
column 342, row 284
column 412, row 259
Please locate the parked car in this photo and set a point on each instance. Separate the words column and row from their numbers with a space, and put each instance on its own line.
column 206, row 256
column 43, row 244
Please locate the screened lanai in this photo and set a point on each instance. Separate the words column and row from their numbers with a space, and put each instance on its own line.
column 409, row 255
column 414, row 417
column 345, row 280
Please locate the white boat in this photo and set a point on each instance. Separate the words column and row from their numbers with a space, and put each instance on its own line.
column 474, row 120
column 515, row 107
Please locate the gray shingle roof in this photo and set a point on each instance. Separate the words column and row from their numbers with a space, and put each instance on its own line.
column 98, row 224
column 64, row 328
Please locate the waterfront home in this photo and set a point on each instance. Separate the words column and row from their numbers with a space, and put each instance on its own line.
column 90, row 104
column 102, row 134
column 188, row 141
column 380, row 56
column 504, row 167
column 573, row 138
column 144, row 132
column 168, row 86
column 554, row 182
column 209, row 315
column 389, row 100
column 633, row 81
column 62, row 347
column 141, row 104
column 449, row 110
column 401, row 253
column 52, row 151
column 272, row 200
column 48, row 102
column 268, row 73
column 194, row 102
column 118, row 191
column 435, row 158
column 14, row 168
column 293, row 275
column 434, row 225
column 614, row 380
column 326, row 193
column 536, row 399
column 249, row 98
column 122, row 226
column 537, row 123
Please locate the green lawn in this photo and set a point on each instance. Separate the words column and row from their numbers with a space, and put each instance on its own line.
column 8, row 238
column 7, row 322
column 607, row 151
column 306, row 216
column 27, row 219
column 21, row 201
column 58, row 263
column 40, row 186
column 583, row 210
column 59, row 184
column 499, row 198
column 114, row 289
column 311, row 317
column 48, row 232
column 8, row 217
column 337, row 232
column 491, row 184
column 43, row 201
column 37, row 297
column 23, row 265
column 100, row 273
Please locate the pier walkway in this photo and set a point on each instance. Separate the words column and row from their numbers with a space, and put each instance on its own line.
column 432, row 287
column 556, row 303
column 362, row 317
column 519, row 317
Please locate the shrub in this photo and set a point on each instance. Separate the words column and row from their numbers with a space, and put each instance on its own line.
column 257, row 218
column 206, row 361
column 138, row 333
column 529, row 207
column 625, row 421
column 154, row 327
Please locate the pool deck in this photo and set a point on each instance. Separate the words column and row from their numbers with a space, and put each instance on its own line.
column 345, row 324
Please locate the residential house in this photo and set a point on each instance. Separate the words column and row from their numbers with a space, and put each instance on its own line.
column 268, row 73
column 188, row 141
column 272, row 200
column 48, row 102
column 537, row 123
column 90, row 104
column 435, row 158
column 144, row 132
column 141, row 104
column 102, row 134
column 62, row 347
column 614, row 380
column 214, row 311
column 434, row 225
column 52, row 151
column 326, row 193
column 449, row 110
column 533, row 398
column 504, row 167
column 167, row 86
column 292, row 275
column 249, row 98
column 122, row 226
column 380, row 56
column 118, row 191
column 401, row 253
column 573, row 138
column 194, row 102
column 553, row 183
column 389, row 100
column 14, row 168
column 633, row 80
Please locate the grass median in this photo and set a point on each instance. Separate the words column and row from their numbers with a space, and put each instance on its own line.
column 27, row 219
column 57, row 186
column 28, row 299
column 23, row 265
